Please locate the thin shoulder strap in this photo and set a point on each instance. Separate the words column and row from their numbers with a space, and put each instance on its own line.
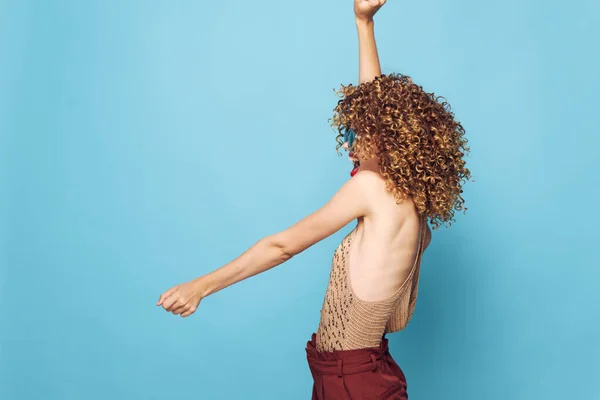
column 423, row 232
column 421, row 236
column 420, row 245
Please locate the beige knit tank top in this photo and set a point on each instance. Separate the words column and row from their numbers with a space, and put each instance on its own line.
column 348, row 322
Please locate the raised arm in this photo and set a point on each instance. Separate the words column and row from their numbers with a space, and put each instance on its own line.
column 349, row 203
column 368, row 64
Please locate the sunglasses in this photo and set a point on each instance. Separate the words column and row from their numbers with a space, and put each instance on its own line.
column 349, row 136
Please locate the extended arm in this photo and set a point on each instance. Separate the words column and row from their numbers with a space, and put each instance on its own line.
column 347, row 204
column 368, row 64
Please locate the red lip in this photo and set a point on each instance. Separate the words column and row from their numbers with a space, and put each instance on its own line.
column 351, row 154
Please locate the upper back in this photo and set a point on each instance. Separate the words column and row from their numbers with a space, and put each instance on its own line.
column 385, row 245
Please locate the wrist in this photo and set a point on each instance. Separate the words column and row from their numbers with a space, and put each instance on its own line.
column 364, row 21
column 202, row 286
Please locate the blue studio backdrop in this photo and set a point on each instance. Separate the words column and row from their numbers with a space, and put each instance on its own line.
column 144, row 143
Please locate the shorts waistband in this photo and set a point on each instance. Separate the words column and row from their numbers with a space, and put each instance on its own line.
column 345, row 362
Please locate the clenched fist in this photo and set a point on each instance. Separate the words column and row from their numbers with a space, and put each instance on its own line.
column 366, row 9
column 181, row 299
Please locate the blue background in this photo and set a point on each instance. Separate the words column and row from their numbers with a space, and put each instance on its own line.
column 144, row 143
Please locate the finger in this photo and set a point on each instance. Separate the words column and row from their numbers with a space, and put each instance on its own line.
column 188, row 313
column 170, row 302
column 179, row 309
column 165, row 295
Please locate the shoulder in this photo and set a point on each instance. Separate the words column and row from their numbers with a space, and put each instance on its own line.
column 372, row 188
column 368, row 180
column 361, row 189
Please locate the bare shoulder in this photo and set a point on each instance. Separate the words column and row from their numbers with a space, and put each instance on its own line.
column 370, row 183
column 401, row 216
column 369, row 177
column 382, row 201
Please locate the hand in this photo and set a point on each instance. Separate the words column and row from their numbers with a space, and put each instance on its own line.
column 181, row 299
column 366, row 9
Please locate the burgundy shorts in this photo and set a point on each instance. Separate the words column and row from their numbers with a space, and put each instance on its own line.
column 360, row 374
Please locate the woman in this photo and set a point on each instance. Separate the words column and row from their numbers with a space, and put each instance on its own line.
column 408, row 168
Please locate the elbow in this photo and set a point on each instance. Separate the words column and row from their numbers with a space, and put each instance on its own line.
column 285, row 255
column 278, row 247
column 285, row 252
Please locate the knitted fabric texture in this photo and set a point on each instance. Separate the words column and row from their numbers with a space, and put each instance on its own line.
column 347, row 322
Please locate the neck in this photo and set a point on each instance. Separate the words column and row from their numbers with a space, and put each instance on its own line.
column 372, row 164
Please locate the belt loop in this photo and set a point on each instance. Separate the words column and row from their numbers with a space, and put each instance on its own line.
column 374, row 361
column 340, row 364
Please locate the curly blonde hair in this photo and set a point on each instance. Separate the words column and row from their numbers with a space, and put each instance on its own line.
column 419, row 144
